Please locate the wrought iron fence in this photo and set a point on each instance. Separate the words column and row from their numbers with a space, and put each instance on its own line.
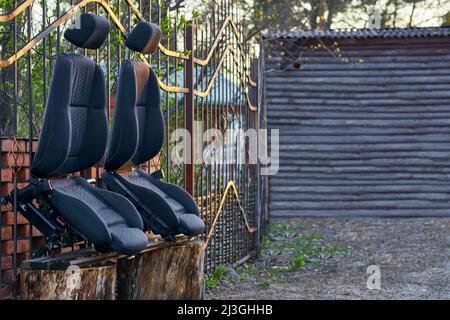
column 207, row 74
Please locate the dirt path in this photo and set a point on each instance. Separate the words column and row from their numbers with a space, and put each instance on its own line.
column 328, row 259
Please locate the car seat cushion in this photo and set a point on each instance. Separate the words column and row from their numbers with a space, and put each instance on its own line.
column 188, row 223
column 83, row 206
column 127, row 240
column 154, row 200
column 191, row 224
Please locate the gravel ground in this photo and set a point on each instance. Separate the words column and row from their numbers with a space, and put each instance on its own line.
column 413, row 256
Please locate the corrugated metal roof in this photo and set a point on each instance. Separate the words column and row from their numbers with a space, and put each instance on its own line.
column 361, row 33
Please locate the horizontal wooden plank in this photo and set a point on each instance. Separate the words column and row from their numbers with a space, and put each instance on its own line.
column 364, row 122
column 287, row 137
column 354, row 147
column 438, row 181
column 294, row 130
column 386, row 45
column 293, row 172
column 344, row 176
column 284, row 156
column 330, row 59
column 356, row 189
column 275, row 102
column 413, row 95
column 292, row 106
column 298, row 164
column 359, row 204
column 434, row 70
column 355, row 115
column 273, row 68
column 337, row 87
column 363, row 213
column 369, row 196
column 373, row 50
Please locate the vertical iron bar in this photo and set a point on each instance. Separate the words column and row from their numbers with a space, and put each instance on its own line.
column 168, row 104
column 97, row 166
column 189, row 110
column 1, row 213
column 108, row 75
column 176, row 85
column 30, row 111
column 15, row 27
column 119, row 56
column 44, row 56
column 58, row 30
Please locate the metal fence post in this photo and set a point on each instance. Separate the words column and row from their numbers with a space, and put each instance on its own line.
column 189, row 111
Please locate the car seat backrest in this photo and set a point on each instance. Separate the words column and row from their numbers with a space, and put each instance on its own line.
column 74, row 132
column 138, row 126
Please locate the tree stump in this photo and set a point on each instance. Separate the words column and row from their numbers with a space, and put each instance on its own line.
column 172, row 272
column 91, row 283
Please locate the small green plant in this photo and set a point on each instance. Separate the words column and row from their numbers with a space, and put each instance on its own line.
column 284, row 239
column 270, row 271
column 249, row 271
column 297, row 263
column 195, row 14
column 263, row 284
column 214, row 278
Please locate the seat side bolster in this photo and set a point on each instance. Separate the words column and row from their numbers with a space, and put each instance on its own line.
column 175, row 192
column 155, row 202
column 123, row 207
column 81, row 217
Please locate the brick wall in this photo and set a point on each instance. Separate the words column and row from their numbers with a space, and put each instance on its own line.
column 20, row 157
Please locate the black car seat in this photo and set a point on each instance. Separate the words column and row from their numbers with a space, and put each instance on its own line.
column 74, row 137
column 137, row 136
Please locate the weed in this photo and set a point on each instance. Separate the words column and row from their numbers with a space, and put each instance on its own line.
column 287, row 247
column 263, row 284
column 247, row 272
column 217, row 275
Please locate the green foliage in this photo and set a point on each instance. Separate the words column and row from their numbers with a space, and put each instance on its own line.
column 300, row 249
column 246, row 272
column 264, row 284
column 182, row 23
column 167, row 25
column 215, row 277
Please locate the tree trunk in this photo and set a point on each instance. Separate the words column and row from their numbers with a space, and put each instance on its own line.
column 93, row 283
column 171, row 272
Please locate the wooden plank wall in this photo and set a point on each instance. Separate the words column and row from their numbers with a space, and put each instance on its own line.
column 365, row 129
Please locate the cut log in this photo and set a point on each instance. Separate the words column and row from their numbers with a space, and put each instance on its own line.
column 171, row 272
column 91, row 283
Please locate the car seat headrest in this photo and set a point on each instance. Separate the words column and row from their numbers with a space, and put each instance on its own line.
column 90, row 32
column 144, row 37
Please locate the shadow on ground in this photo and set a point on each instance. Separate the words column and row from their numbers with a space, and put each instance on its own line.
column 328, row 259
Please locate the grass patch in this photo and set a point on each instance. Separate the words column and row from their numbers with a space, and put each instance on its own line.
column 294, row 248
column 212, row 280
column 246, row 271
column 287, row 247
column 264, row 284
